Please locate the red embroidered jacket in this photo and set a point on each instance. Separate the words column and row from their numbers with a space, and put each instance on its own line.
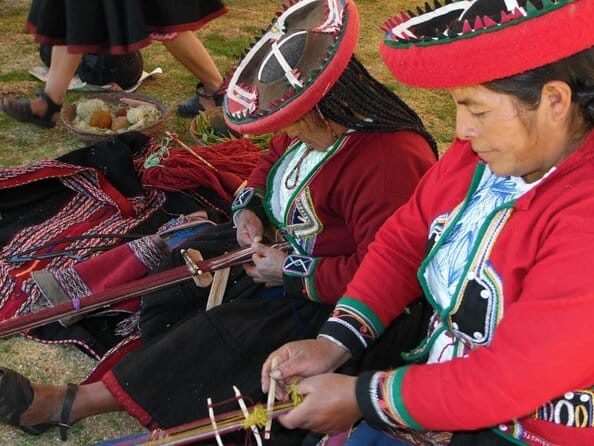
column 335, row 213
column 530, row 374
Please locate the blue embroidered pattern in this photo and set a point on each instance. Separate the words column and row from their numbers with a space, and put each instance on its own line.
column 242, row 199
column 446, row 268
column 296, row 265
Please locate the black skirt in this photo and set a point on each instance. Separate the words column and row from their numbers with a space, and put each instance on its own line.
column 115, row 26
column 167, row 381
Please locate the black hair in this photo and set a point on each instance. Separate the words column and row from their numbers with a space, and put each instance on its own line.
column 360, row 102
column 577, row 71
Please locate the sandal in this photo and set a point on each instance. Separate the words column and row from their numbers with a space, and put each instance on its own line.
column 71, row 391
column 16, row 395
column 192, row 106
column 20, row 109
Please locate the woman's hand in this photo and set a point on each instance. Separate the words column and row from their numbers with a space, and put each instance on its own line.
column 299, row 359
column 249, row 227
column 267, row 266
column 329, row 404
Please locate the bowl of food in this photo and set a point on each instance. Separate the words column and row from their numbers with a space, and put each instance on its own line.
column 104, row 115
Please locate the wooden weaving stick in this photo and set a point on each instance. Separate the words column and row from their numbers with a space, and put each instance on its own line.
column 270, row 401
column 218, row 287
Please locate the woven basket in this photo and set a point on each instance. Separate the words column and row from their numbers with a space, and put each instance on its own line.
column 212, row 123
column 208, row 128
column 112, row 98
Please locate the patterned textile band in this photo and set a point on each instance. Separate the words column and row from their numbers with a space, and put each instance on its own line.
column 126, row 291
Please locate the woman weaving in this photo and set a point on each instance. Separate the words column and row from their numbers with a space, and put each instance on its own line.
column 497, row 235
column 350, row 153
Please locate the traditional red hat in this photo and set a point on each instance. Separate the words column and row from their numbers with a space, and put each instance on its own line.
column 292, row 66
column 471, row 42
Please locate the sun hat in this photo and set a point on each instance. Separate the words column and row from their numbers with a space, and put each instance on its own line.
column 470, row 42
column 292, row 65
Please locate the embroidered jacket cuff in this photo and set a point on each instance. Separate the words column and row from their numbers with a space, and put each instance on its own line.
column 379, row 396
column 249, row 198
column 353, row 325
column 299, row 277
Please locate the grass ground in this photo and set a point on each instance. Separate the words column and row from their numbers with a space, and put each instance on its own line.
column 226, row 38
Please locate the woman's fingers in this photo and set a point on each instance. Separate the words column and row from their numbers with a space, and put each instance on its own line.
column 329, row 404
column 302, row 359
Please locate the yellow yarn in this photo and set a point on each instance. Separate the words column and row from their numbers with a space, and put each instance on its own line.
column 259, row 414
column 296, row 397
column 257, row 417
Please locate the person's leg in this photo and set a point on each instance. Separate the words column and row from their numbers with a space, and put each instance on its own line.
column 62, row 69
column 192, row 54
column 91, row 399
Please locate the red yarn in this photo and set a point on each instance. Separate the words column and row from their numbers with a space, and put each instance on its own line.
column 232, row 162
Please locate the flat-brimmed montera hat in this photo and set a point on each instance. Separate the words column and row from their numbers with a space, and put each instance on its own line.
column 471, row 42
column 292, row 66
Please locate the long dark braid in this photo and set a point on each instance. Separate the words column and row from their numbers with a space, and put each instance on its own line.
column 360, row 102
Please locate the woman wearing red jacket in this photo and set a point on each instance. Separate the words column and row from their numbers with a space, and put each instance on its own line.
column 497, row 236
column 350, row 152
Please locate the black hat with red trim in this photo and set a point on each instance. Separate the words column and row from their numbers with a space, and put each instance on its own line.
column 292, row 66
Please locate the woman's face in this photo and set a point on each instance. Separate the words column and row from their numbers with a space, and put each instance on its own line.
column 312, row 131
column 511, row 139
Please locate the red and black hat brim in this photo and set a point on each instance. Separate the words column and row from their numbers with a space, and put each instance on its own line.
column 481, row 49
column 260, row 98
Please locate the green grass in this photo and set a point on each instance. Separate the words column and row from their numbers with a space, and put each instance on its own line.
column 15, row 76
column 226, row 37
column 226, row 47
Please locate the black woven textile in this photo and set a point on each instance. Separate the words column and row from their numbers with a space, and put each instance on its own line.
column 33, row 203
